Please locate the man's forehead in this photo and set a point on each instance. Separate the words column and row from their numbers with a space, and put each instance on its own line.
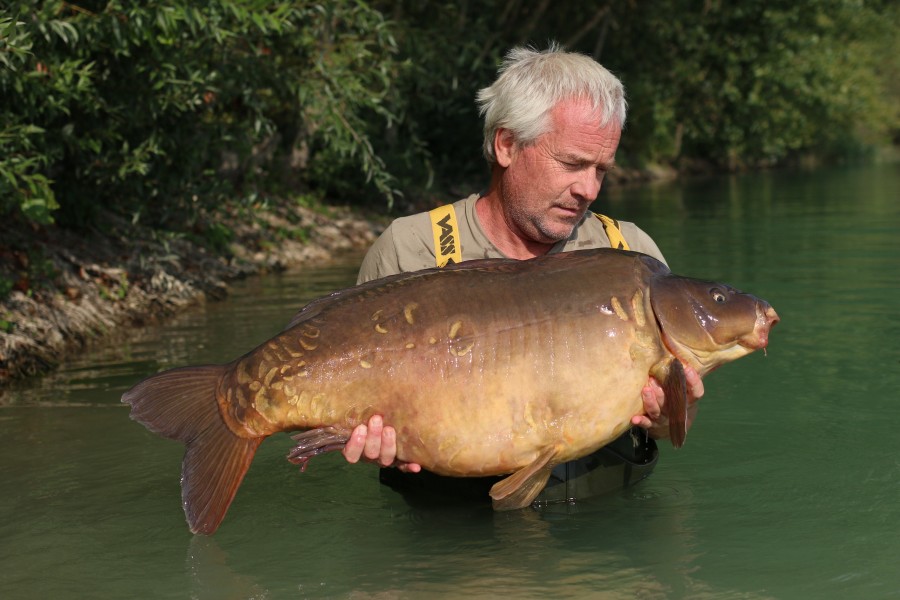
column 580, row 135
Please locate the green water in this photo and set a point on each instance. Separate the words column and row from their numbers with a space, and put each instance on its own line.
column 788, row 485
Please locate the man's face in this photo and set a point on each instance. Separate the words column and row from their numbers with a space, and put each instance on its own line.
column 547, row 187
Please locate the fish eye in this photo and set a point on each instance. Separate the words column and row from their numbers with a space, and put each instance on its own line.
column 718, row 296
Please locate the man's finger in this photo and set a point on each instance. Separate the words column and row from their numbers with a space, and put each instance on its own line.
column 694, row 382
column 653, row 398
column 388, row 447
column 373, row 440
column 641, row 421
column 354, row 447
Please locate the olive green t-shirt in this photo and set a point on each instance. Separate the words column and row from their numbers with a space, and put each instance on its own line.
column 408, row 242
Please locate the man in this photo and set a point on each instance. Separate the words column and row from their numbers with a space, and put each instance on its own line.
column 552, row 123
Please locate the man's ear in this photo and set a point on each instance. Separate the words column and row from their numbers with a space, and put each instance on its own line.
column 504, row 146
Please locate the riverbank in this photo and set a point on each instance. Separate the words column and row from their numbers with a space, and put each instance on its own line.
column 68, row 289
column 62, row 290
column 65, row 289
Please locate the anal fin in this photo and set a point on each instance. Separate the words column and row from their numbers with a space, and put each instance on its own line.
column 522, row 487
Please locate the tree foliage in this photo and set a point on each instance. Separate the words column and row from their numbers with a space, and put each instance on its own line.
column 752, row 83
column 158, row 111
column 732, row 84
column 153, row 109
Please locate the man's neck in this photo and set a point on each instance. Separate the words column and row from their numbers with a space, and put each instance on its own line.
column 502, row 233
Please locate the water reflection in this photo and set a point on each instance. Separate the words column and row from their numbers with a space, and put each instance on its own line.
column 475, row 553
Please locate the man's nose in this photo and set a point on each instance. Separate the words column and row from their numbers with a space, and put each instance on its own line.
column 587, row 186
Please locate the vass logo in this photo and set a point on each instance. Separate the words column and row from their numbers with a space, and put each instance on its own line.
column 447, row 241
column 445, row 234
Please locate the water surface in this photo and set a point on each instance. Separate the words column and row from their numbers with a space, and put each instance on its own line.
column 788, row 485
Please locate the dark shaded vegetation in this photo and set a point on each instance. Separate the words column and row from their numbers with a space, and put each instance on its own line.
column 168, row 115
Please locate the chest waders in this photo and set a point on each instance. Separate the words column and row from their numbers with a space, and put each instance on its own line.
column 623, row 462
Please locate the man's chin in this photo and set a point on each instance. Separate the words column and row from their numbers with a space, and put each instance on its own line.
column 556, row 233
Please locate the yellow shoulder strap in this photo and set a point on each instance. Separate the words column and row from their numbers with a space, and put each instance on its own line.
column 446, row 236
column 613, row 232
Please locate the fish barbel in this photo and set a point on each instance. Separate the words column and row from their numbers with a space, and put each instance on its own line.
column 483, row 368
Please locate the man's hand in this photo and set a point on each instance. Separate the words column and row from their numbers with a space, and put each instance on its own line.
column 376, row 443
column 656, row 424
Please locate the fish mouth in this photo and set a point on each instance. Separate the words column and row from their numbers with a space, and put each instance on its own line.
column 766, row 318
column 705, row 362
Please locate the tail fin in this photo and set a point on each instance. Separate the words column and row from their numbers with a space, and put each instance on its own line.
column 181, row 405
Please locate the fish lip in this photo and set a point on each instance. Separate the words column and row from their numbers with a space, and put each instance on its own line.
column 766, row 319
column 758, row 339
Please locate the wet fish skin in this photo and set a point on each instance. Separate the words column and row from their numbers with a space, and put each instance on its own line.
column 488, row 367
column 508, row 336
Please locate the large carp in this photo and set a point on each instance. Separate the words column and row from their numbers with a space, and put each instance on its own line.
column 483, row 368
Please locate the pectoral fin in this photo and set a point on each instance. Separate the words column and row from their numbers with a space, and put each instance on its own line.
column 675, row 388
column 522, row 487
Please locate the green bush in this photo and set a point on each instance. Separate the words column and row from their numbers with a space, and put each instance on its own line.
column 755, row 82
column 733, row 84
column 156, row 111
column 162, row 112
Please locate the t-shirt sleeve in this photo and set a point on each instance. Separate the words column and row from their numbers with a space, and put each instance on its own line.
column 639, row 241
column 406, row 245
column 381, row 260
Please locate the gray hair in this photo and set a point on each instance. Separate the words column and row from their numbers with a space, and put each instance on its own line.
column 530, row 83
